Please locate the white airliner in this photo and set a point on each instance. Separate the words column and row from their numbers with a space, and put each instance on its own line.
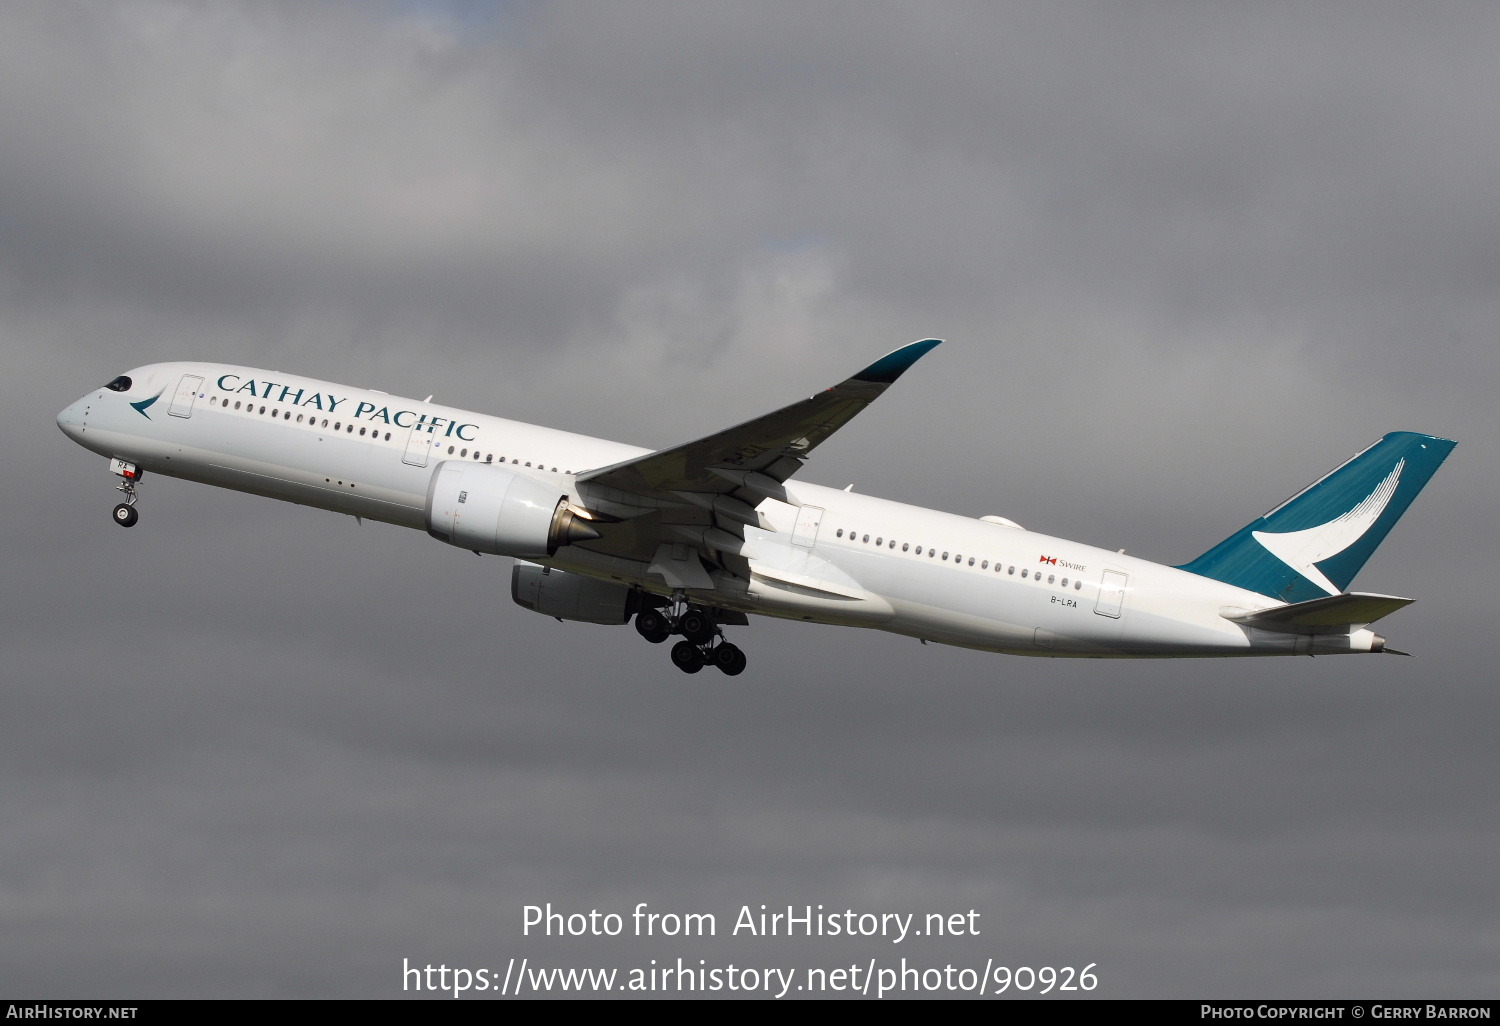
column 688, row 539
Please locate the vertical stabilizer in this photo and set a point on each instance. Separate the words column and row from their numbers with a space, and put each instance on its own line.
column 1315, row 542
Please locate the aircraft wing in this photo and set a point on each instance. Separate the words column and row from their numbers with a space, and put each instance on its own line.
column 773, row 445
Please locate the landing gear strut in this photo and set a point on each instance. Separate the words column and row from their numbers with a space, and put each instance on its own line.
column 125, row 514
column 703, row 641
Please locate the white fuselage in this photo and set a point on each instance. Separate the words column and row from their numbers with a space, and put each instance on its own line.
column 862, row 561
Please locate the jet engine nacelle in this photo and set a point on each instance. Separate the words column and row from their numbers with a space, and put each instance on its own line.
column 489, row 508
column 569, row 596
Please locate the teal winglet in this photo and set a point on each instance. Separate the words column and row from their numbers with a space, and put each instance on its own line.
column 891, row 366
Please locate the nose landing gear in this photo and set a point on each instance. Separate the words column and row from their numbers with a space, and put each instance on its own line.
column 125, row 514
column 703, row 641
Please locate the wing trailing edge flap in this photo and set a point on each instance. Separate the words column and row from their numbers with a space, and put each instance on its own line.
column 791, row 578
column 808, row 582
column 678, row 565
column 798, row 591
column 1333, row 614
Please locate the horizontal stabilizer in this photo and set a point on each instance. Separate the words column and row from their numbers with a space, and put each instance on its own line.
column 1335, row 614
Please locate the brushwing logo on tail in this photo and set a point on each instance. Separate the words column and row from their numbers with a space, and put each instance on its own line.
column 1303, row 550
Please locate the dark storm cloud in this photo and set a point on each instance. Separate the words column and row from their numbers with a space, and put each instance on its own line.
column 1187, row 258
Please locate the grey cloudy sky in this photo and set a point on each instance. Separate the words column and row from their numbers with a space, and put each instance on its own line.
column 1187, row 258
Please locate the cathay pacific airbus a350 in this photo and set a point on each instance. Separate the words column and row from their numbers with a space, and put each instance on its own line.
column 690, row 539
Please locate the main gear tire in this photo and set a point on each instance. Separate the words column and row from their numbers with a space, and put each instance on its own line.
column 687, row 657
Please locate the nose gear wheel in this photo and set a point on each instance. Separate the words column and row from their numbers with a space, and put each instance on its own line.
column 125, row 514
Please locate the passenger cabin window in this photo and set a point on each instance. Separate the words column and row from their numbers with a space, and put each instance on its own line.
column 120, row 384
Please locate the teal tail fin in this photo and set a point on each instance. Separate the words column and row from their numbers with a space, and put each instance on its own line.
column 1314, row 543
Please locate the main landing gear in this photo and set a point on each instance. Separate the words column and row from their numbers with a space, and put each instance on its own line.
column 125, row 514
column 703, row 642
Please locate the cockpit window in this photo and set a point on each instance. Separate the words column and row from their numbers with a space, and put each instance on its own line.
column 120, row 384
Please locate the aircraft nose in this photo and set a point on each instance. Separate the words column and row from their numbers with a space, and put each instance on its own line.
column 71, row 420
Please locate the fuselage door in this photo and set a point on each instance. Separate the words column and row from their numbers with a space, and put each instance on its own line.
column 1111, row 594
column 809, row 518
column 187, row 391
column 418, row 445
